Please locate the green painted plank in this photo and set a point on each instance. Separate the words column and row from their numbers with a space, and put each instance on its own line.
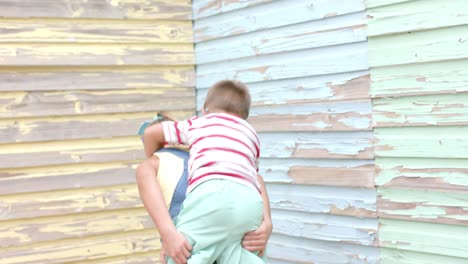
column 433, row 173
column 427, row 78
column 447, row 207
column 377, row 3
column 422, row 142
column 448, row 240
column 395, row 256
column 416, row 16
column 440, row 110
column 423, row 46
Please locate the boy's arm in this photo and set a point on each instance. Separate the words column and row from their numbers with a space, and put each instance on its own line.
column 258, row 239
column 153, row 139
column 176, row 245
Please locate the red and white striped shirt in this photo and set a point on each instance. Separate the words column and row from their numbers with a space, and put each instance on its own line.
column 222, row 146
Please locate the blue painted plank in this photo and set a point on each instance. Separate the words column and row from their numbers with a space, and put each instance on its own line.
column 313, row 34
column 271, row 15
column 320, row 61
column 206, row 8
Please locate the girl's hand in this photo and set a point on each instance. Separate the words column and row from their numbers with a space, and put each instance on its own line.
column 258, row 239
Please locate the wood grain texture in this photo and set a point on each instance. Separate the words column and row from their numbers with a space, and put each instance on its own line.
column 323, row 199
column 120, row 9
column 70, row 152
column 63, row 202
column 331, row 172
column 205, row 8
column 345, row 229
column 441, row 77
column 378, row 3
column 419, row 47
column 422, row 142
column 392, row 256
column 287, row 249
column 77, row 126
column 447, row 207
column 61, row 103
column 341, row 145
column 415, row 173
column 94, row 31
column 336, row 116
column 270, row 15
column 411, row 16
column 433, row 110
column 94, row 78
column 331, row 31
column 449, row 240
column 148, row 257
column 320, row 61
column 332, row 87
column 76, row 176
column 30, row 231
column 95, row 54
column 82, row 248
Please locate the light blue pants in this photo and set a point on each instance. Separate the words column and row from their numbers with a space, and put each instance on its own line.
column 214, row 218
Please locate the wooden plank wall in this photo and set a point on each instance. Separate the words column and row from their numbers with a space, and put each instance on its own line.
column 76, row 79
column 418, row 52
column 306, row 64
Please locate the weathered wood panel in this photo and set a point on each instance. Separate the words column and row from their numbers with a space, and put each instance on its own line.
column 411, row 16
column 121, row 9
column 448, row 207
column 336, row 116
column 313, row 34
column 392, row 256
column 336, row 145
column 331, row 87
column 271, row 15
column 94, row 78
column 66, row 152
column 82, row 248
column 321, row 199
column 77, row 126
column 437, row 174
column 287, row 249
column 422, row 142
column 94, row 31
column 419, row 79
column 62, row 202
column 308, row 77
column 321, row 61
column 148, row 257
column 419, row 47
column 40, row 179
column 325, row 227
column 60, row 103
column 377, row 3
column 30, row 231
column 205, row 8
column 326, row 172
column 448, row 240
column 95, row 54
column 440, row 110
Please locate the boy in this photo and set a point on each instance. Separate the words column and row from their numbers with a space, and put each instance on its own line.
column 224, row 198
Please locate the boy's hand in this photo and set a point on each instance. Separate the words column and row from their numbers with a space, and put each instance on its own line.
column 258, row 239
column 177, row 247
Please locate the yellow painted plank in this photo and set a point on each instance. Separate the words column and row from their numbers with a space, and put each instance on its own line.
column 29, row 231
column 51, row 128
column 62, row 202
column 74, row 176
column 95, row 54
column 60, row 103
column 94, row 78
column 94, row 31
column 80, row 249
column 149, row 257
column 66, row 152
column 115, row 9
